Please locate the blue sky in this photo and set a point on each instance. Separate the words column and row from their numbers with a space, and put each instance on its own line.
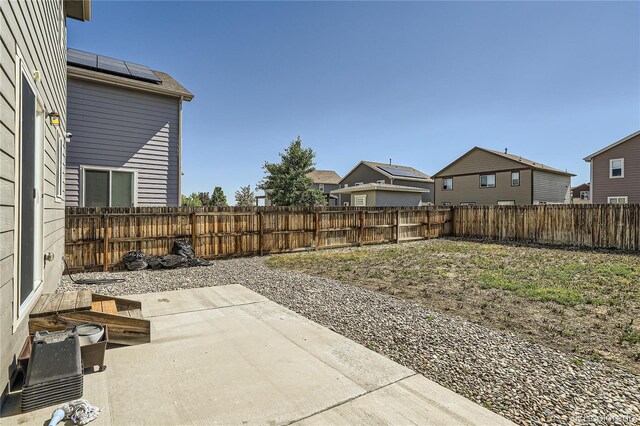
column 416, row 82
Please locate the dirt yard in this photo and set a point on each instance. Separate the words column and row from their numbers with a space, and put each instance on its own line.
column 582, row 302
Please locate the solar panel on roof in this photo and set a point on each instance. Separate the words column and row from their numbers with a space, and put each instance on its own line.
column 111, row 65
column 83, row 59
column 142, row 71
column 401, row 172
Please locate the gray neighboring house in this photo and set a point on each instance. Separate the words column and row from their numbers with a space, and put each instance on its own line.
column 383, row 174
column 382, row 195
column 615, row 172
column 326, row 181
column 126, row 144
column 33, row 127
column 487, row 177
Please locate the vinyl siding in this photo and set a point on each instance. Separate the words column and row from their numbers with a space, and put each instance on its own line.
column 31, row 27
column 396, row 199
column 551, row 188
column 478, row 161
column 123, row 128
column 466, row 189
column 603, row 186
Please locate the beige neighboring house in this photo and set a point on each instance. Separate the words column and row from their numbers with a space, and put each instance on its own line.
column 386, row 175
column 487, row 177
column 33, row 136
column 615, row 172
column 382, row 195
column 326, row 181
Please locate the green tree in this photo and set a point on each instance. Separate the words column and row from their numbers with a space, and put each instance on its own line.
column 286, row 183
column 218, row 198
column 205, row 198
column 190, row 201
column 245, row 197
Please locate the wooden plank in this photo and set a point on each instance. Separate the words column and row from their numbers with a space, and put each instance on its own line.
column 68, row 302
column 261, row 233
column 83, row 301
column 109, row 307
column 53, row 303
column 106, row 259
column 96, row 306
column 43, row 301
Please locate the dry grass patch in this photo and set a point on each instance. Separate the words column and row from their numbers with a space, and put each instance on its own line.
column 583, row 302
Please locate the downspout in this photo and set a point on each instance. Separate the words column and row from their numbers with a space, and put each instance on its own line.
column 179, row 151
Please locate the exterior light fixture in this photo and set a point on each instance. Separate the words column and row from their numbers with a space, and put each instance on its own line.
column 54, row 118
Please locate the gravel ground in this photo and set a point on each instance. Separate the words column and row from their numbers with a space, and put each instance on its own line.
column 525, row 382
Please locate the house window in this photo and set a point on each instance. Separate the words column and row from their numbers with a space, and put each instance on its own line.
column 618, row 200
column 487, row 181
column 359, row 183
column 445, row 203
column 321, row 187
column 515, row 178
column 60, row 168
column 447, row 184
column 346, row 204
column 359, row 200
column 616, row 168
column 109, row 188
column 507, row 203
column 584, row 195
column 380, row 182
column 468, row 203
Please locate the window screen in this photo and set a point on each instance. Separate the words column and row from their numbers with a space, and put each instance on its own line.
column 96, row 191
column 121, row 189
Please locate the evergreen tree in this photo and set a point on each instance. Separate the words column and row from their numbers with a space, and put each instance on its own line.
column 218, row 199
column 286, row 183
column 205, row 198
column 245, row 197
column 190, row 201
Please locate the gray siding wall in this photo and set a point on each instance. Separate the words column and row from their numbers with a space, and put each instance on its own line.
column 478, row 161
column 123, row 128
column 32, row 28
column 396, row 199
column 466, row 189
column 551, row 188
column 427, row 197
column 603, row 186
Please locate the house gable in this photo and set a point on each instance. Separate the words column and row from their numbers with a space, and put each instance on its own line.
column 478, row 160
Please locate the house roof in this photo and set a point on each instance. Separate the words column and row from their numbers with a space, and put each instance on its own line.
column 380, row 168
column 325, row 176
column 515, row 158
column 167, row 86
column 606, row 148
column 78, row 9
column 379, row 187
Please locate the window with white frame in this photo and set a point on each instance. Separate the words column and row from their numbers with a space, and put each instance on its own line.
column 487, row 181
column 109, row 188
column 515, row 178
column 585, row 195
column 616, row 168
column 346, row 204
column 359, row 183
column 507, row 203
column 60, row 168
column 321, row 187
column 447, row 184
column 618, row 200
column 359, row 200
column 380, row 182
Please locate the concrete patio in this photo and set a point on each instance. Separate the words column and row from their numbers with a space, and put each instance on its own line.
column 226, row 355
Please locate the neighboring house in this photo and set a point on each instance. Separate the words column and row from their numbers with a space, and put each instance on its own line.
column 581, row 194
column 486, row 177
column 326, row 181
column 386, row 174
column 126, row 122
column 33, row 127
column 615, row 172
column 381, row 195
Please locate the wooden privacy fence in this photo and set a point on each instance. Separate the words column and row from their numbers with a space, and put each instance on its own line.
column 588, row 225
column 98, row 238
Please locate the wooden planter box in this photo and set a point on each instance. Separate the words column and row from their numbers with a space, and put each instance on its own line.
column 92, row 355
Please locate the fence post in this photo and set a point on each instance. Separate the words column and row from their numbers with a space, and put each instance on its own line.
column 362, row 219
column 316, row 228
column 106, row 255
column 194, row 231
column 428, row 223
column 397, row 226
column 261, row 237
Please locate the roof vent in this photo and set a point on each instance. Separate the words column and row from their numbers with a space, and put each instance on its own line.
column 505, row 150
